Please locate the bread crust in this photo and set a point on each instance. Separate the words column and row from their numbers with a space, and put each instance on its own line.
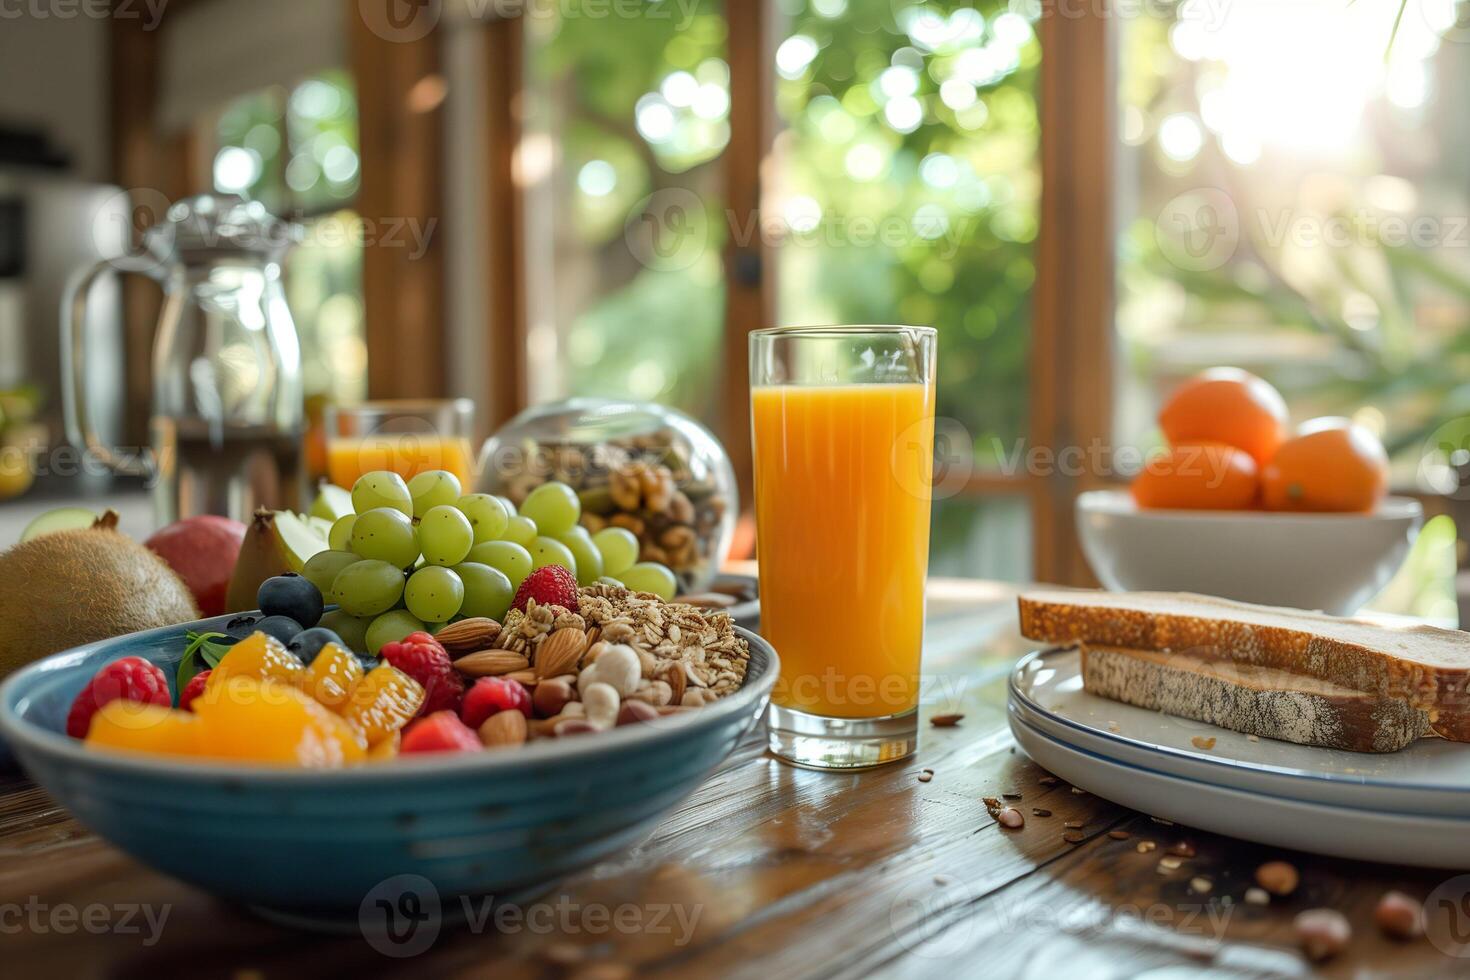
column 1217, row 629
column 1255, row 700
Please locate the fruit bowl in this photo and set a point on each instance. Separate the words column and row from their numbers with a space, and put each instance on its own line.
column 1330, row 562
column 314, row 843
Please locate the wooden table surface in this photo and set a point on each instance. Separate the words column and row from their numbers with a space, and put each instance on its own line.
column 768, row 871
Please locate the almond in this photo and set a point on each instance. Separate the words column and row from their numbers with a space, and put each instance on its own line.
column 468, row 635
column 560, row 652
column 673, row 675
column 491, row 663
column 502, row 729
column 526, row 677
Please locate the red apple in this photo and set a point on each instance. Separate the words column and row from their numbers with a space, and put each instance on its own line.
column 202, row 551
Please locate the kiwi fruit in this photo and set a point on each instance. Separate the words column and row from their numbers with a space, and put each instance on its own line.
column 64, row 589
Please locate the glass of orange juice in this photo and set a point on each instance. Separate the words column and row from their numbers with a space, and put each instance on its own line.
column 843, row 435
column 407, row 437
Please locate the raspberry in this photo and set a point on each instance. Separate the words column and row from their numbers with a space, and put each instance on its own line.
column 193, row 689
column 441, row 731
column 128, row 679
column 550, row 585
column 492, row 695
column 421, row 657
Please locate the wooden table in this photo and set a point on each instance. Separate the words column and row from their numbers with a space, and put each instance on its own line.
column 770, row 872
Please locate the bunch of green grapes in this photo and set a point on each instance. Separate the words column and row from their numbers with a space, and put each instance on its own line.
column 418, row 554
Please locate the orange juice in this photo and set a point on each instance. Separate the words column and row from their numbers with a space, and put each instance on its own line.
column 842, row 484
column 406, row 454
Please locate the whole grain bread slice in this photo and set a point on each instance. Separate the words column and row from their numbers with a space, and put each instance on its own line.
column 1260, row 701
column 1425, row 665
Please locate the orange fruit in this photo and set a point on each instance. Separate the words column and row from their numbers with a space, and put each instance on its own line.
column 265, row 720
column 382, row 703
column 259, row 656
column 332, row 676
column 1227, row 405
column 1334, row 465
column 142, row 727
column 1199, row 476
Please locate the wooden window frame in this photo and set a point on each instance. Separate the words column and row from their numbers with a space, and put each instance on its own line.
column 1071, row 362
column 1072, row 315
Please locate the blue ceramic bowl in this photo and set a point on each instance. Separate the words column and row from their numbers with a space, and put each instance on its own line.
column 315, row 843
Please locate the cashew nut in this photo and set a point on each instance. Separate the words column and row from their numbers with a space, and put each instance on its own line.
column 617, row 666
column 602, row 702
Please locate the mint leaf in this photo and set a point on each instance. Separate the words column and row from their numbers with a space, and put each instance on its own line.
column 202, row 653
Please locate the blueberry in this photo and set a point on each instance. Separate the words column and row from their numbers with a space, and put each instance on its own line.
column 293, row 596
column 241, row 626
column 283, row 628
column 309, row 643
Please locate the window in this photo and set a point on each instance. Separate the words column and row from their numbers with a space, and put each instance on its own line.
column 296, row 151
column 1291, row 175
column 622, row 155
column 903, row 187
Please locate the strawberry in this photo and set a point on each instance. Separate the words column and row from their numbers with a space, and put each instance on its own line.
column 193, row 689
column 128, row 679
column 441, row 731
column 421, row 657
column 550, row 585
column 492, row 695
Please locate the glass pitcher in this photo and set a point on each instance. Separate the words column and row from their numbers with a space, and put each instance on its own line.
column 227, row 416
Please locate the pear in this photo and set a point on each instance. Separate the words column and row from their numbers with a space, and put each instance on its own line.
column 276, row 542
column 332, row 503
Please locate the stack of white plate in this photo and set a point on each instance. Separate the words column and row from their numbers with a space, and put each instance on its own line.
column 1407, row 807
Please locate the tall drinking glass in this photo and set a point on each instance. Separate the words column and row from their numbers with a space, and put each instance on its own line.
column 843, row 433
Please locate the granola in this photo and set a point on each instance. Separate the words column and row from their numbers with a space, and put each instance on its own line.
column 687, row 656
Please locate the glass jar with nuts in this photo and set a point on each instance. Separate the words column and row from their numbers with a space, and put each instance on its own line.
column 647, row 468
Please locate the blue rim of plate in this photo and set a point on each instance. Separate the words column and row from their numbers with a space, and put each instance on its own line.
column 20, row 732
column 1120, row 763
column 1014, row 691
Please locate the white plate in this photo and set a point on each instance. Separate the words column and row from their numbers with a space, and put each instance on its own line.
column 1431, row 776
column 1366, row 835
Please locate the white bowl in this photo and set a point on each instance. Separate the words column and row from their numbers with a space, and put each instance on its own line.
column 1331, row 562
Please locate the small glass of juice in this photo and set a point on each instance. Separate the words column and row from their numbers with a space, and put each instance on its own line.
column 843, row 438
column 407, row 437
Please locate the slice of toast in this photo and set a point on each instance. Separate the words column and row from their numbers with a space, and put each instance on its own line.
column 1260, row 701
column 1425, row 665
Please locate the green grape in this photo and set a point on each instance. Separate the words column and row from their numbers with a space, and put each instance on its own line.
column 549, row 551
column 510, row 507
column 322, row 568
column 554, row 507
column 434, row 594
column 368, row 588
column 390, row 628
column 432, row 488
column 340, row 537
column 445, row 535
column 381, row 489
column 487, row 515
column 650, row 576
column 520, row 530
column 487, row 591
column 386, row 535
column 506, row 557
column 585, row 553
column 352, row 629
column 618, row 547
